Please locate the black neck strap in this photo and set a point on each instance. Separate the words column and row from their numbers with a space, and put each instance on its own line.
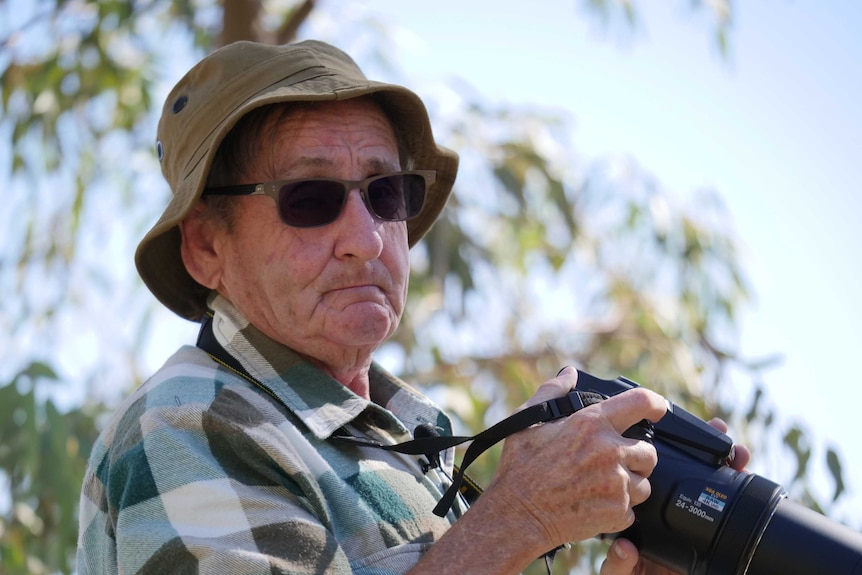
column 208, row 342
column 546, row 411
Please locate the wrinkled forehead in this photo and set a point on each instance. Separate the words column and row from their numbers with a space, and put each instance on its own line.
column 317, row 135
column 298, row 139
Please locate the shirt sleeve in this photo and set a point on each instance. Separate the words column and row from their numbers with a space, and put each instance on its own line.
column 194, row 486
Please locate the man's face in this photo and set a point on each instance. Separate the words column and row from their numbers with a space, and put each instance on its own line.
column 330, row 292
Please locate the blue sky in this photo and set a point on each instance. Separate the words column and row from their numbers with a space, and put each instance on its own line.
column 775, row 128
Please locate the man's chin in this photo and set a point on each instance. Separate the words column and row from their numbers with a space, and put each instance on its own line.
column 366, row 324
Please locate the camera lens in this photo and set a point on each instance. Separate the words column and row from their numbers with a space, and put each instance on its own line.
column 800, row 541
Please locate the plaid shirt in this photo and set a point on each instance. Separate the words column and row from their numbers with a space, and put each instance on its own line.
column 203, row 470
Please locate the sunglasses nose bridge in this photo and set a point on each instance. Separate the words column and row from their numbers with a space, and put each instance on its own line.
column 362, row 189
column 364, row 194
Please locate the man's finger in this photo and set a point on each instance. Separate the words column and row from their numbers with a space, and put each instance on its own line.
column 632, row 406
column 559, row 386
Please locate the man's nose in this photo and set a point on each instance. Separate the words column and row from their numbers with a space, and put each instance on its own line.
column 359, row 229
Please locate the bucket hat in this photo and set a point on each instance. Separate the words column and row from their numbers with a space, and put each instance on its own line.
column 222, row 88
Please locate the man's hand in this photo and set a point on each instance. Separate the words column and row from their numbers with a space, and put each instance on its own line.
column 561, row 481
column 623, row 559
column 574, row 478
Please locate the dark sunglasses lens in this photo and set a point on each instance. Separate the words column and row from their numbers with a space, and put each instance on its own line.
column 310, row 203
column 398, row 197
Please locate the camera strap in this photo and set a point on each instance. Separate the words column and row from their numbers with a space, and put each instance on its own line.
column 428, row 443
column 546, row 411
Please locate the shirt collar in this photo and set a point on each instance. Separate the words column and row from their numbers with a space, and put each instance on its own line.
column 322, row 403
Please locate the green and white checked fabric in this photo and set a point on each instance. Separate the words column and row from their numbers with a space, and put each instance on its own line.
column 202, row 471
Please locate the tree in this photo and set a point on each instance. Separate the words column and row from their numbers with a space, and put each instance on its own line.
column 639, row 285
column 43, row 455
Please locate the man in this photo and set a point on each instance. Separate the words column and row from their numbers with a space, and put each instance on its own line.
column 298, row 188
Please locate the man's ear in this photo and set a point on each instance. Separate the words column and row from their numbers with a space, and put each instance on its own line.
column 198, row 246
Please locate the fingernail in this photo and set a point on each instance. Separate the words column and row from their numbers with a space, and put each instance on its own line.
column 559, row 373
column 620, row 552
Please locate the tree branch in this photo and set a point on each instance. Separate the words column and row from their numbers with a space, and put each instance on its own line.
column 241, row 21
column 287, row 32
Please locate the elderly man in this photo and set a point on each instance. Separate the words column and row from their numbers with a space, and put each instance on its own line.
column 298, row 188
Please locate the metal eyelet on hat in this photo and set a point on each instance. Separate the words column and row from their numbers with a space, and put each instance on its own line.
column 160, row 150
column 179, row 104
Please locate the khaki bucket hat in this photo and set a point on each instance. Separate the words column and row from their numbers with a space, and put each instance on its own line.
column 223, row 87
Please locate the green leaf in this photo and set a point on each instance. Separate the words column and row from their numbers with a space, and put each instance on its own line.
column 833, row 462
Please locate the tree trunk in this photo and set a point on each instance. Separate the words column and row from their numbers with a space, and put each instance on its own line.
column 242, row 21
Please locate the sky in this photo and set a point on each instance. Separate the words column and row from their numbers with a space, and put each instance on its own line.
column 775, row 127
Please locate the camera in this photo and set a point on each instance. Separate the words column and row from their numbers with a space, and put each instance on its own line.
column 705, row 518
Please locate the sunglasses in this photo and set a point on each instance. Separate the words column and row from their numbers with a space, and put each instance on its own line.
column 313, row 202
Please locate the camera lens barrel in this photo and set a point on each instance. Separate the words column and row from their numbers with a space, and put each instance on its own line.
column 701, row 519
column 800, row 541
column 707, row 520
column 737, row 541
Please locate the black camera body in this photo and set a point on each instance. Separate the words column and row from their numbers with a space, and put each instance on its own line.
column 705, row 518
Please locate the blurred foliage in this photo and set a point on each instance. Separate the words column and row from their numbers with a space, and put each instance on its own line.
column 542, row 259
column 43, row 454
column 626, row 14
